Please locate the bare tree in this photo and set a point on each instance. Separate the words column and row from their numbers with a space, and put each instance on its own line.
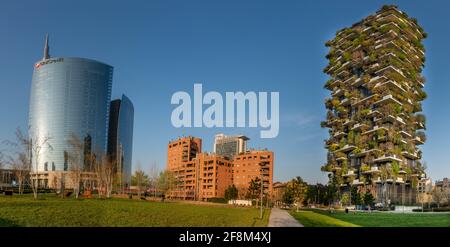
column 36, row 145
column 76, row 161
column 154, row 178
column 29, row 149
column 2, row 164
column 21, row 170
column 439, row 196
column 105, row 172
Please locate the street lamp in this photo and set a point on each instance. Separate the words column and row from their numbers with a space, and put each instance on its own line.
column 262, row 191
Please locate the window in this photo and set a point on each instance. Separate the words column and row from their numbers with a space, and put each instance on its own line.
column 46, row 166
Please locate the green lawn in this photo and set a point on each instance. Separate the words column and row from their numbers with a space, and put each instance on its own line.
column 54, row 211
column 312, row 219
column 375, row 219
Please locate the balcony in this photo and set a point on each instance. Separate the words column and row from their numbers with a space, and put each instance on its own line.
column 357, row 182
column 345, row 102
column 348, row 122
column 337, row 93
column 392, row 84
column 404, row 133
column 399, row 181
column 335, row 168
column 420, row 125
column 387, row 158
column 391, row 119
column 339, row 134
column 343, row 66
column 357, row 82
column 376, row 128
column 358, row 126
column 365, row 152
column 348, row 80
column 332, row 84
column 409, row 155
column 418, row 141
column 388, row 99
column 365, row 99
column 345, row 148
column 350, row 173
column 373, row 169
column 390, row 69
column 374, row 112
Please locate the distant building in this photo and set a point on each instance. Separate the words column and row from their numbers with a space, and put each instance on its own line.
column 229, row 146
column 442, row 184
column 425, row 185
column 204, row 176
column 69, row 96
column 120, row 136
column 7, row 178
column 374, row 107
column 278, row 191
column 253, row 165
column 215, row 175
column 180, row 160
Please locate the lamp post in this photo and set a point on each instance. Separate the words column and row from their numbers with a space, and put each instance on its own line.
column 262, row 191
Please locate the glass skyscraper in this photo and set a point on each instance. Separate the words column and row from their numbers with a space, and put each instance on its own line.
column 68, row 96
column 120, row 137
column 229, row 146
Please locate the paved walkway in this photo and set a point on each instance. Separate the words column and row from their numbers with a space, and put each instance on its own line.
column 281, row 218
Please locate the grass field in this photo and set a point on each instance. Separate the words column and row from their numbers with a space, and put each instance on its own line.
column 319, row 218
column 53, row 211
column 313, row 219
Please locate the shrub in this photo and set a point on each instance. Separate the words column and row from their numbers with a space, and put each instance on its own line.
column 217, row 200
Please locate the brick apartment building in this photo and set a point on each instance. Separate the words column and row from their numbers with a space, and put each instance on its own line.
column 251, row 165
column 203, row 176
column 215, row 175
column 180, row 160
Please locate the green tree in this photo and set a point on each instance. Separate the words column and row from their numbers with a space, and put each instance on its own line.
column 166, row 182
column 140, row 180
column 287, row 197
column 231, row 193
column 345, row 198
column 355, row 196
column 368, row 199
column 254, row 189
column 298, row 189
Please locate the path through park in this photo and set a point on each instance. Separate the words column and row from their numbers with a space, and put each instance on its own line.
column 282, row 218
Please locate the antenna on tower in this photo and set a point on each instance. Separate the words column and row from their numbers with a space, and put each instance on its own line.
column 46, row 49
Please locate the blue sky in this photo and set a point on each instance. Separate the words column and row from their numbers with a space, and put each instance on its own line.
column 160, row 47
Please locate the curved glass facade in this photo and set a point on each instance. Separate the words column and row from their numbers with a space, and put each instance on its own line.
column 69, row 96
column 120, row 143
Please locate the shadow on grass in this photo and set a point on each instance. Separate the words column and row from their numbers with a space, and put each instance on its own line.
column 256, row 219
column 7, row 223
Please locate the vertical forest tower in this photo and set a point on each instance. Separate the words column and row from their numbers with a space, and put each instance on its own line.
column 374, row 112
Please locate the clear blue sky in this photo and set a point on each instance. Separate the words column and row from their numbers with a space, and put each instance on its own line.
column 160, row 47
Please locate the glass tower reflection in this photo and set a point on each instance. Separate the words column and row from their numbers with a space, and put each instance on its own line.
column 68, row 96
column 120, row 140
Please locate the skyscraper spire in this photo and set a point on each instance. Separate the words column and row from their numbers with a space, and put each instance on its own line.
column 46, row 49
